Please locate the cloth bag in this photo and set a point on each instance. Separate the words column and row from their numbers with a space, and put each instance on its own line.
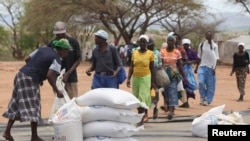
column 121, row 76
column 161, row 78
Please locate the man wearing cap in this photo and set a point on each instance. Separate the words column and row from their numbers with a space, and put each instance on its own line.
column 105, row 62
column 71, row 62
column 43, row 63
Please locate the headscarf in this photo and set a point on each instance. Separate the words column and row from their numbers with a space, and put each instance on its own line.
column 241, row 44
column 171, row 37
column 62, row 43
column 144, row 37
column 186, row 41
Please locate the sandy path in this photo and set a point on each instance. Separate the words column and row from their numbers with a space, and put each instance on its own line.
column 226, row 91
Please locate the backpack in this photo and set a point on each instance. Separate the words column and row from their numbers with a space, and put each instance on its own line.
column 121, row 76
column 201, row 46
column 130, row 50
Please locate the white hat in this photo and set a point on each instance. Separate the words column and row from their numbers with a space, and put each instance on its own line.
column 186, row 41
column 242, row 44
column 59, row 28
column 144, row 37
column 169, row 35
column 103, row 34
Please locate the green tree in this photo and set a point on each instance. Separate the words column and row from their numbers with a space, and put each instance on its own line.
column 10, row 14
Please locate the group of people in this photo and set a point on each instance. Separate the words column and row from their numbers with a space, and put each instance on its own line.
column 175, row 58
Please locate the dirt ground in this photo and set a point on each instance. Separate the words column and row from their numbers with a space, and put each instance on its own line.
column 226, row 91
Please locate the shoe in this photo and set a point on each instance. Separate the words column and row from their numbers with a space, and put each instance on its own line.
column 184, row 105
column 8, row 138
column 240, row 98
column 155, row 113
column 170, row 116
column 205, row 103
column 140, row 124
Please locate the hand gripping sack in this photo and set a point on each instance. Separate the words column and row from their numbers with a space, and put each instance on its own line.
column 59, row 102
column 161, row 78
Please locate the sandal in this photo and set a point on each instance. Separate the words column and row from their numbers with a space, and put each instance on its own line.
column 145, row 119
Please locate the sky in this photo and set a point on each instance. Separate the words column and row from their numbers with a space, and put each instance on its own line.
column 218, row 6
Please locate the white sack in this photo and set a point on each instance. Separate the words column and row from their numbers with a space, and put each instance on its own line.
column 110, row 97
column 109, row 129
column 67, row 123
column 93, row 113
column 200, row 124
column 233, row 118
column 59, row 102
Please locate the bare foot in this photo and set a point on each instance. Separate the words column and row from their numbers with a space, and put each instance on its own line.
column 8, row 137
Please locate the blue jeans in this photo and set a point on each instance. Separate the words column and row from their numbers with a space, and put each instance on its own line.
column 103, row 81
column 207, row 81
column 171, row 93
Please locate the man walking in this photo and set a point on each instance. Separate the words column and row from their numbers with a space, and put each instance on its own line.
column 208, row 53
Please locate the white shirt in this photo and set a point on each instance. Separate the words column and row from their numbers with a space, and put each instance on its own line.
column 208, row 56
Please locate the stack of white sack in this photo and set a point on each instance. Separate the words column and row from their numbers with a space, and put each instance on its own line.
column 67, row 123
column 214, row 116
column 108, row 114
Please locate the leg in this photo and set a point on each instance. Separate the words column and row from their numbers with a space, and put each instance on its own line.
column 140, row 111
column 171, row 112
column 241, row 81
column 211, row 83
column 145, row 118
column 202, row 84
column 156, row 99
column 165, row 99
column 71, row 89
column 184, row 100
column 172, row 97
column 34, row 136
column 6, row 133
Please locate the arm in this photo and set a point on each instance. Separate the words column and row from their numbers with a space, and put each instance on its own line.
column 130, row 72
column 93, row 64
column 199, row 56
column 233, row 66
column 77, row 59
column 217, row 57
column 151, row 67
column 73, row 67
column 51, row 76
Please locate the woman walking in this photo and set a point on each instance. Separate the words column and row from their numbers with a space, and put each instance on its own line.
column 141, row 67
column 173, row 66
column 240, row 67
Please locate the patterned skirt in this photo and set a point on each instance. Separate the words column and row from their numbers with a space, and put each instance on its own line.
column 25, row 101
